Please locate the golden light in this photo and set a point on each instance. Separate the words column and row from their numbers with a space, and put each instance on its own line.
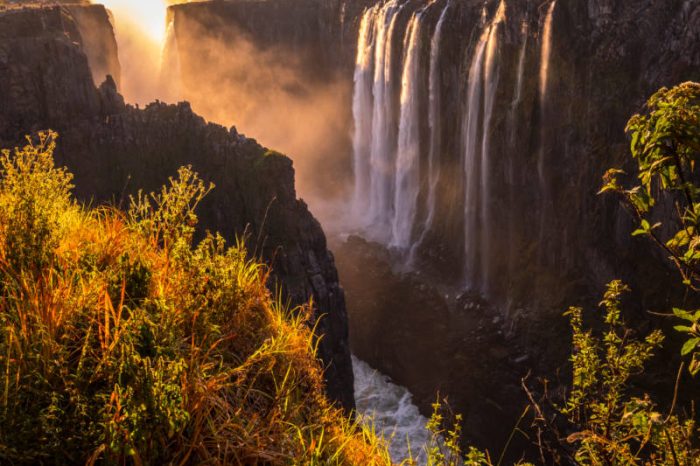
column 146, row 15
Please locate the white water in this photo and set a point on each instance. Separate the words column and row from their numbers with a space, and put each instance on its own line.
column 434, row 123
column 490, row 86
column 407, row 170
column 382, row 148
column 546, row 50
column 390, row 409
column 482, row 85
column 388, row 161
column 361, row 108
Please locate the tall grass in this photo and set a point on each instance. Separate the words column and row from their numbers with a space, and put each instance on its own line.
column 123, row 342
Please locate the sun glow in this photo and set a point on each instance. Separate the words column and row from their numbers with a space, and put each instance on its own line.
column 146, row 15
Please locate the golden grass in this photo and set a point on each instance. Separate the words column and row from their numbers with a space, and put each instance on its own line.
column 122, row 342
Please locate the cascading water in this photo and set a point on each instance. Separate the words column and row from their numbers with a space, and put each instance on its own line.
column 382, row 147
column 490, row 87
column 390, row 410
column 471, row 159
column 546, row 51
column 434, row 170
column 361, row 108
column 387, row 138
column 482, row 85
column 408, row 152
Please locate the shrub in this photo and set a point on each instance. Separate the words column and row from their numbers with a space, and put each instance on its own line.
column 599, row 421
column 122, row 342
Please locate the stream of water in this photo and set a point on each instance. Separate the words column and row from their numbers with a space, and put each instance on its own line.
column 390, row 409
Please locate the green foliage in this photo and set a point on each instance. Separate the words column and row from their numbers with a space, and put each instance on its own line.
column 444, row 447
column 122, row 342
column 31, row 192
column 665, row 143
column 603, row 422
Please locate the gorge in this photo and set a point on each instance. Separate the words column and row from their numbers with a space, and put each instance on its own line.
column 452, row 151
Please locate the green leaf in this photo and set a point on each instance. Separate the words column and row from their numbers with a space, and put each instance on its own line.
column 682, row 328
column 689, row 346
column 683, row 314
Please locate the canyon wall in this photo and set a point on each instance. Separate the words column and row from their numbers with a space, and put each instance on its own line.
column 478, row 132
column 114, row 149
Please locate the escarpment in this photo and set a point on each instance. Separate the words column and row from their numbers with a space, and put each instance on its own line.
column 46, row 81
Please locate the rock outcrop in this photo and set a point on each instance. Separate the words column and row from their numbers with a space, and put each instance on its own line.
column 114, row 149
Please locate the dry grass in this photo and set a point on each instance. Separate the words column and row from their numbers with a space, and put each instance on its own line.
column 121, row 342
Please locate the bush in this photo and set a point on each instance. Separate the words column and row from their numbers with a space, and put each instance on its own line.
column 599, row 421
column 122, row 342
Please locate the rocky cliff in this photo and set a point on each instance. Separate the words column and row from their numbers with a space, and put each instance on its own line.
column 113, row 148
column 549, row 87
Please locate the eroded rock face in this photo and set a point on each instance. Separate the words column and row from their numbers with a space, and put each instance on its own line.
column 114, row 149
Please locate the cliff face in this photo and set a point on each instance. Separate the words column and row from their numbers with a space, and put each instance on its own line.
column 549, row 87
column 112, row 148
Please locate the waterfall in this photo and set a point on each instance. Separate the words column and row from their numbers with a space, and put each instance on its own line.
column 382, row 147
column 490, row 86
column 481, row 89
column 471, row 220
column 170, row 72
column 408, row 152
column 361, row 109
column 434, row 121
column 521, row 67
column 513, row 146
column 546, row 50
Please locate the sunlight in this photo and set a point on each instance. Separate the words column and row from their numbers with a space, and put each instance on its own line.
column 147, row 15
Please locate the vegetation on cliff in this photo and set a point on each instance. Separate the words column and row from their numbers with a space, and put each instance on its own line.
column 601, row 420
column 123, row 342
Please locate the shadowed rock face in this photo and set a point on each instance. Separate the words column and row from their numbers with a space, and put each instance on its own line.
column 114, row 149
column 98, row 41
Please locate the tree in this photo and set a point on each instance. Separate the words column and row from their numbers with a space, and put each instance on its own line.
column 665, row 200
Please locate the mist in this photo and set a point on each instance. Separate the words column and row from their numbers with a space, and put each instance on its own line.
column 268, row 92
column 140, row 29
column 275, row 94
